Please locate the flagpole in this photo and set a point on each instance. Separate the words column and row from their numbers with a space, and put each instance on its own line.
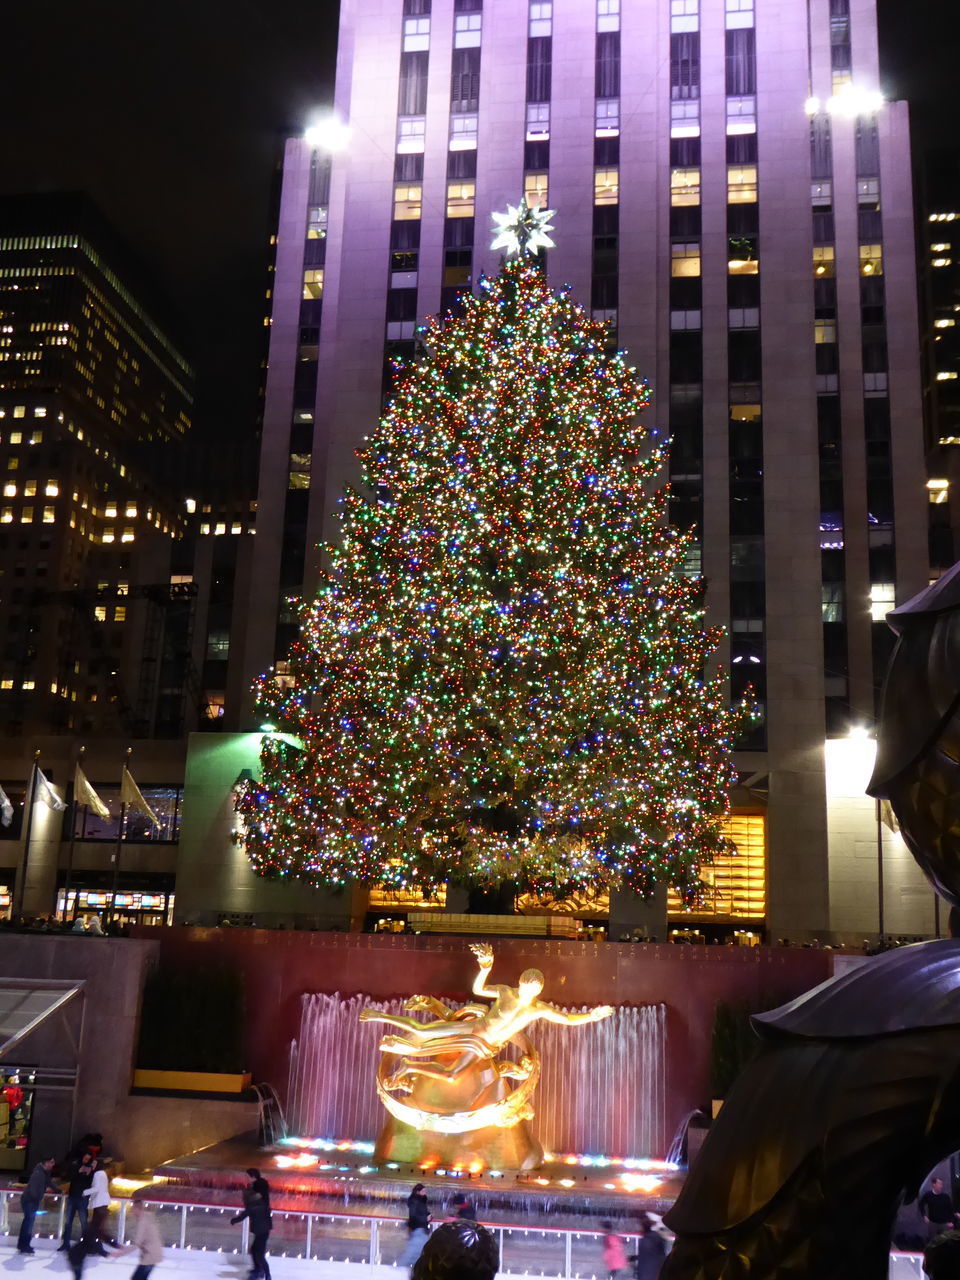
column 73, row 835
column 116, row 855
column 28, row 832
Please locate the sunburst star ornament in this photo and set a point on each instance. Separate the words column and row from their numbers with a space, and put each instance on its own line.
column 523, row 229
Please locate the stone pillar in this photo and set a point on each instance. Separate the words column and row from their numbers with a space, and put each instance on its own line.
column 629, row 913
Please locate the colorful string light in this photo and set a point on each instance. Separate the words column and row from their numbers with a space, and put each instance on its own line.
column 502, row 675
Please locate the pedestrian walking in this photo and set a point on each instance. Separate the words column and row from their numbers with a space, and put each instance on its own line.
column 937, row 1208
column 418, row 1226
column 461, row 1207
column 256, row 1209
column 614, row 1254
column 81, row 1177
column 98, row 1202
column 40, row 1182
column 145, row 1238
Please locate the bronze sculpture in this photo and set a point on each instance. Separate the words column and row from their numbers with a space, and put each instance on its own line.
column 444, row 1082
column 855, row 1094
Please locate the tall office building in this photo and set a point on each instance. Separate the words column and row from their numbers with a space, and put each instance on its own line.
column 734, row 198
column 114, row 604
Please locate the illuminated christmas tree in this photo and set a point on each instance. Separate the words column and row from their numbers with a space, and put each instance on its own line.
column 502, row 675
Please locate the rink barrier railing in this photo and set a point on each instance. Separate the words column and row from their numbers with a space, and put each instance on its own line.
column 564, row 1253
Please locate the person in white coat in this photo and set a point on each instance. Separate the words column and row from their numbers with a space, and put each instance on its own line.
column 98, row 1194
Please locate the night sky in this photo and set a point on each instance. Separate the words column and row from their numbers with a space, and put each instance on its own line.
column 172, row 117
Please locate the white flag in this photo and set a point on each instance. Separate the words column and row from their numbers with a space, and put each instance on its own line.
column 132, row 797
column 43, row 791
column 83, row 793
column 6, row 809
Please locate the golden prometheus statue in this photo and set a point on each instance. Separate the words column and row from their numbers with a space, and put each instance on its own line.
column 445, row 1082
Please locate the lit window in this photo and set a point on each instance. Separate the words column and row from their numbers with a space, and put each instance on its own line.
column 416, row 34
column 821, row 194
column 535, row 186
column 883, row 597
column 100, row 612
column 123, row 588
column 20, row 411
column 685, row 118
column 110, row 510
column 608, row 15
column 742, row 115
column 108, row 536
column 30, row 489
column 868, row 191
column 938, row 491
column 40, row 412
column 607, row 117
column 299, row 471
column 824, row 331
column 29, row 684
column 463, row 132
column 940, row 262
column 13, row 464
column 467, row 30
column 606, row 186
column 946, row 375
column 49, row 515
column 120, row 613
column 6, row 515
column 130, row 510
column 460, row 199
column 823, row 260
column 685, row 260
column 6, row 684
column 946, row 322
column 16, row 437
column 313, row 283
column 739, row 13
column 26, row 515
column 939, row 248
column 129, row 533
column 316, row 223
column 538, row 120
column 742, row 184
column 684, row 187
column 407, row 203
column 684, row 15
column 411, row 131
column 52, row 489
column 36, row 437
column 9, row 490
column 541, row 17
column 871, row 260
column 742, row 261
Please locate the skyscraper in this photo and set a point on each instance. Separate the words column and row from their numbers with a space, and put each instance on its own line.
column 733, row 197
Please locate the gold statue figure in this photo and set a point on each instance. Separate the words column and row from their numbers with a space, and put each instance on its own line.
column 447, row 1077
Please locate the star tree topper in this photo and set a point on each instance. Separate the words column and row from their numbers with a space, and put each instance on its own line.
column 523, row 229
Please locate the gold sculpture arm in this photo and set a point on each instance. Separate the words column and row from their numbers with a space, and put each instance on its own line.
column 552, row 1014
column 432, row 1005
column 484, row 954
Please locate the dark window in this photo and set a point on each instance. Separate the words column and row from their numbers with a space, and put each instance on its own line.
column 465, row 80
column 405, row 235
column 870, row 226
column 684, row 153
column 744, row 355
column 401, row 304
column 743, row 219
column 742, row 148
column 821, row 158
column 539, row 54
column 823, row 228
column 536, row 155
column 874, row 348
column 458, row 233
column 408, row 168
column 606, row 152
column 416, row 8
column 741, row 62
column 461, row 164
column 404, row 261
column 608, row 65
column 685, row 222
column 413, row 84
column 686, row 293
column 685, row 65
column 603, row 294
column 686, row 357
column 824, row 297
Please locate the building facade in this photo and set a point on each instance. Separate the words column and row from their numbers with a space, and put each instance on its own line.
column 734, row 199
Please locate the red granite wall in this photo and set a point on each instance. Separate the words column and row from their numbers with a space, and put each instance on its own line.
column 279, row 967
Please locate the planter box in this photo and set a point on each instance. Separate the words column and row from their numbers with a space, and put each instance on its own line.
column 192, row 1081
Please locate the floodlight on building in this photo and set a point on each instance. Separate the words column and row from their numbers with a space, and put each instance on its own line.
column 853, row 101
column 327, row 133
column 812, row 106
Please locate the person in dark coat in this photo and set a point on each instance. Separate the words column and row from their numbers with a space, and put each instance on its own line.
column 418, row 1226
column 40, row 1182
column 256, row 1209
column 651, row 1251
column 81, row 1177
column 462, row 1208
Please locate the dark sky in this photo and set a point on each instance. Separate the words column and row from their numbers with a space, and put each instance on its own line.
column 171, row 115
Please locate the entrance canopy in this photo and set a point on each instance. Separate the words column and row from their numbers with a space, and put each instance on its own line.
column 26, row 1002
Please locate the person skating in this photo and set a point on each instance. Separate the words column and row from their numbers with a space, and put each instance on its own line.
column 418, row 1226
column 614, row 1254
column 98, row 1202
column 651, row 1251
column 40, row 1182
column 146, row 1238
column 256, row 1209
column 81, row 1177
